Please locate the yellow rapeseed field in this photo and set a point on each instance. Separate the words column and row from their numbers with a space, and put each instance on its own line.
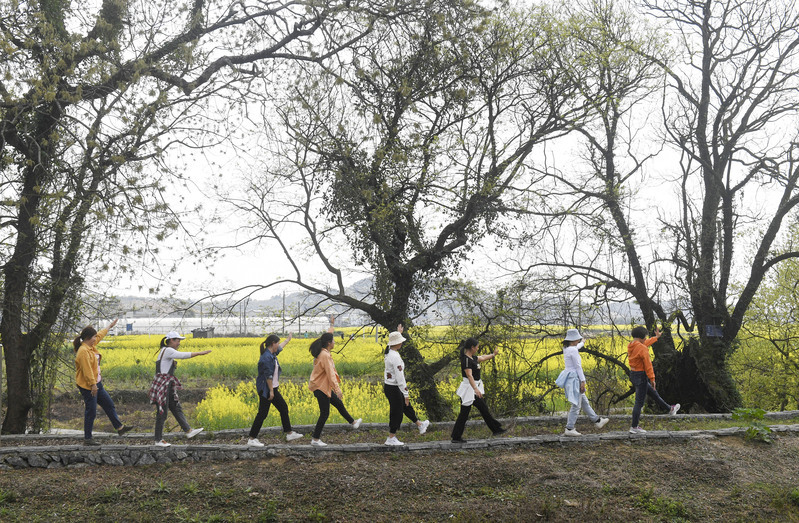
column 358, row 360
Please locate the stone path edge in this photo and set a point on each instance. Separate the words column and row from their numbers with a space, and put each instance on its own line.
column 77, row 456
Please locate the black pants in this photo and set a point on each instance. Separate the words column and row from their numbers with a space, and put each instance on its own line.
column 324, row 410
column 263, row 412
column 460, row 423
column 397, row 408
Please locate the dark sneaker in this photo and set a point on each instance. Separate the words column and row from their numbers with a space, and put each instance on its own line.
column 499, row 431
column 124, row 428
column 91, row 442
column 459, row 440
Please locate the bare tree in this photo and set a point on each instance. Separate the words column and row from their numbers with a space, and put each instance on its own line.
column 730, row 90
column 403, row 154
column 90, row 98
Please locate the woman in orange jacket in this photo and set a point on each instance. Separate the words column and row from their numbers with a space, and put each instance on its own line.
column 642, row 375
column 90, row 384
column 324, row 383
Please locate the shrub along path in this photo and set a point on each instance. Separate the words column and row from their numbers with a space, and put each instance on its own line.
column 65, row 450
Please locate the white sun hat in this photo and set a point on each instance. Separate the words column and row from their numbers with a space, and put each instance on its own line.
column 173, row 335
column 395, row 338
column 572, row 335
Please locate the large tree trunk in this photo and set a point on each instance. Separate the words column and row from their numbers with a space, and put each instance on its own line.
column 423, row 377
column 17, row 274
column 17, row 380
column 697, row 376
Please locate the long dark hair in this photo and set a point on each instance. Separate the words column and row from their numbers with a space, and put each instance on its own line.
column 88, row 332
column 320, row 343
column 467, row 344
column 272, row 338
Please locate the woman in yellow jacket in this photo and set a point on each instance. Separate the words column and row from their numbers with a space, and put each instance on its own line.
column 324, row 383
column 89, row 381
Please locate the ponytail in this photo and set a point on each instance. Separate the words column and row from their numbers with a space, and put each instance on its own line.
column 320, row 343
column 88, row 332
column 161, row 345
column 272, row 338
column 467, row 344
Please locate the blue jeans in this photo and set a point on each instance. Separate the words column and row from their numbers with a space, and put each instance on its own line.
column 90, row 413
column 642, row 388
column 575, row 410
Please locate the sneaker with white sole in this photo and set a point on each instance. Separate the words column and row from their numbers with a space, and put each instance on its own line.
column 601, row 422
column 637, row 430
column 423, row 426
column 318, row 443
column 291, row 436
column 571, row 432
column 190, row 434
column 162, row 443
column 356, row 423
column 253, row 442
column 674, row 409
column 393, row 441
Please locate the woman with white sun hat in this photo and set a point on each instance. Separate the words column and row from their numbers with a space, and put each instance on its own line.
column 164, row 390
column 396, row 389
column 572, row 380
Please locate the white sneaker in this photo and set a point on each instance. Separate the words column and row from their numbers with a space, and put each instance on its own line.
column 601, row 422
column 393, row 441
column 190, row 434
column 162, row 443
column 318, row 443
column 571, row 432
column 637, row 430
column 291, row 436
column 253, row 442
column 356, row 423
column 674, row 409
column 423, row 426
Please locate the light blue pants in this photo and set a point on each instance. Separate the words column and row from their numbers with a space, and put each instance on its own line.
column 575, row 410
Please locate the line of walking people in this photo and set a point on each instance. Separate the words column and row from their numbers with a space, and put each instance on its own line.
column 324, row 383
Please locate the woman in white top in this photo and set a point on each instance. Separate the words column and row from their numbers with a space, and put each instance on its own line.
column 572, row 380
column 164, row 390
column 396, row 389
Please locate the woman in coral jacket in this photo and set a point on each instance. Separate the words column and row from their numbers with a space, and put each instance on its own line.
column 642, row 375
column 324, row 383
column 89, row 381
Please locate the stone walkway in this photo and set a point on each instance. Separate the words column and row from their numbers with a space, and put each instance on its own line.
column 46, row 453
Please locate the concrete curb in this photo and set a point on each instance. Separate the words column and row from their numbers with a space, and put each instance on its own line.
column 76, row 456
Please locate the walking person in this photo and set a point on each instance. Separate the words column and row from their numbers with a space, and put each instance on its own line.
column 89, row 381
column 572, row 380
column 642, row 375
column 324, row 383
column 267, row 384
column 165, row 386
column 396, row 389
column 471, row 390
